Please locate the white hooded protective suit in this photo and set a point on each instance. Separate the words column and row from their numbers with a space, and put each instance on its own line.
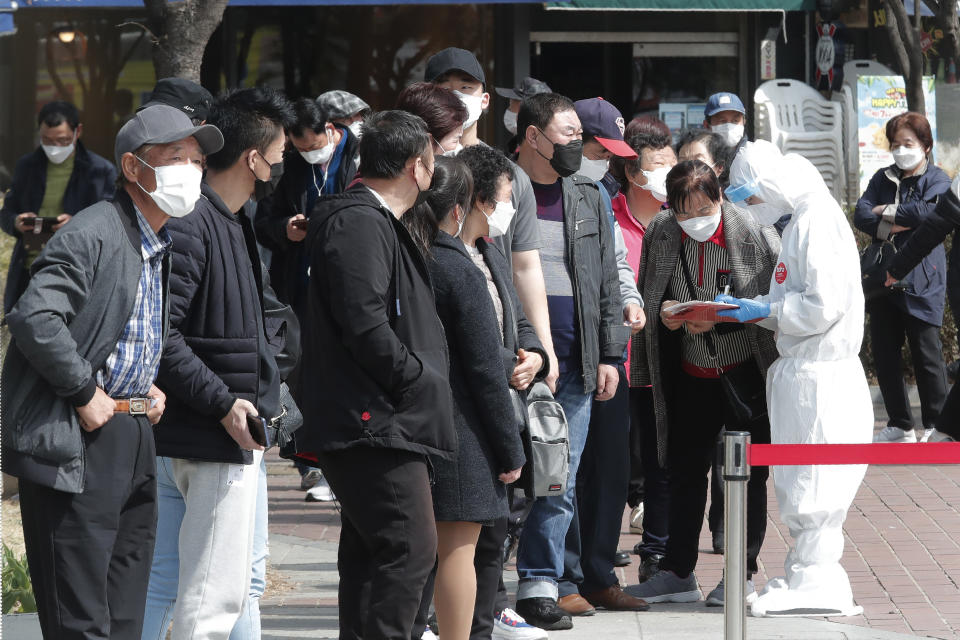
column 816, row 391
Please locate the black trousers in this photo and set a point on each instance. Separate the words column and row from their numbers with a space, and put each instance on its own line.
column 602, row 480
column 90, row 553
column 388, row 538
column 656, row 482
column 888, row 328
column 488, row 563
column 697, row 413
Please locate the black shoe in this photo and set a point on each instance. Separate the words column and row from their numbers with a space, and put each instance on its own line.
column 621, row 559
column 649, row 566
column 544, row 613
column 952, row 369
column 718, row 542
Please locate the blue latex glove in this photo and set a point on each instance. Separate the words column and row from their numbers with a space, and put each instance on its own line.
column 749, row 309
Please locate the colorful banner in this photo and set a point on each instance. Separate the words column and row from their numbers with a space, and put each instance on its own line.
column 880, row 98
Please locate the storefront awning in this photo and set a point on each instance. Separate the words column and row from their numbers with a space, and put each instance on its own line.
column 685, row 5
column 138, row 4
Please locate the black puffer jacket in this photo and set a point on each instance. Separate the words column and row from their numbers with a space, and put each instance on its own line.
column 375, row 366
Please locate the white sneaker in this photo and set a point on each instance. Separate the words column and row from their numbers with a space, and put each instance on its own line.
column 320, row 492
column 428, row 634
column 510, row 625
column 636, row 519
column 895, row 434
column 716, row 597
column 926, row 435
column 309, row 479
column 933, row 435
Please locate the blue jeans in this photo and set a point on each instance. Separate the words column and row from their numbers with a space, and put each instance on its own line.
column 541, row 548
column 162, row 591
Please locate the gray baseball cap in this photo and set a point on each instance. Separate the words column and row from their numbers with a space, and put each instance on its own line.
column 162, row 124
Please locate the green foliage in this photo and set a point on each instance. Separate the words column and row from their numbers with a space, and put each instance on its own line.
column 17, row 590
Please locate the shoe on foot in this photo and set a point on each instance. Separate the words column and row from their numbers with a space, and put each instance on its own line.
column 544, row 613
column 510, row 625
column 895, row 434
column 613, row 598
column 636, row 519
column 320, row 492
column 649, row 567
column 718, row 541
column 428, row 634
column 715, row 599
column 309, row 479
column 938, row 436
column 952, row 370
column 666, row 586
column 621, row 559
column 575, row 605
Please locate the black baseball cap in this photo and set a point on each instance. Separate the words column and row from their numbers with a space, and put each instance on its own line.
column 453, row 59
column 186, row 95
column 527, row 87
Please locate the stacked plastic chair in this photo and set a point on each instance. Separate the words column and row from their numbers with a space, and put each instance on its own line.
column 799, row 120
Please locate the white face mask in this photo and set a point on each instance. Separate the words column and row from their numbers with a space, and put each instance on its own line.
column 178, row 188
column 57, row 154
column 473, row 105
column 593, row 169
column 510, row 121
column 355, row 128
column 765, row 213
column 657, row 182
column 463, row 218
column 701, row 228
column 499, row 219
column 321, row 155
column 452, row 152
column 908, row 158
column 732, row 133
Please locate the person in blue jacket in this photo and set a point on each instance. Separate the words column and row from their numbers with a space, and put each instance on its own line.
column 896, row 202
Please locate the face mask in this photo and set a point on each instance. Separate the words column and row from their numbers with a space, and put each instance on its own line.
column 355, row 128
column 657, row 182
column 593, row 169
column 510, row 121
column 701, row 228
column 566, row 157
column 765, row 213
column 908, row 158
column 57, row 154
column 454, row 151
column 499, row 219
column 473, row 105
column 421, row 193
column 178, row 188
column 732, row 133
column 460, row 222
column 322, row 155
column 265, row 188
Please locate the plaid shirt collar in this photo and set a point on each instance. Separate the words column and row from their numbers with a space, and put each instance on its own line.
column 151, row 242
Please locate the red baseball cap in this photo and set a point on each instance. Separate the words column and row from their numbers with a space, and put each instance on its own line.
column 604, row 122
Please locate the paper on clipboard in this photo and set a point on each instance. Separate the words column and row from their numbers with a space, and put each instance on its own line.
column 700, row 311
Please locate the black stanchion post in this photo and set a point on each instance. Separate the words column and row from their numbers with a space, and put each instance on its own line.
column 736, row 472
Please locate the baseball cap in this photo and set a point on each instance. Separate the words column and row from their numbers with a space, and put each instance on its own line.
column 162, row 124
column 453, row 59
column 723, row 101
column 604, row 122
column 186, row 95
column 527, row 87
column 340, row 104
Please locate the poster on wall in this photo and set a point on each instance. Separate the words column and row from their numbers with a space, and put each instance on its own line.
column 880, row 98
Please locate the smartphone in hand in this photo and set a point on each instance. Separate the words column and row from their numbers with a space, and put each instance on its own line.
column 258, row 431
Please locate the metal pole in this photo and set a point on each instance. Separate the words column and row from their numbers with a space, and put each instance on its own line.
column 736, row 472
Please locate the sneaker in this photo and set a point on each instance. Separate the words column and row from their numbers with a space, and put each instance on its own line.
column 510, row 625
column 544, row 613
column 895, row 434
column 428, row 634
column 715, row 599
column 636, row 519
column 309, row 479
column 666, row 586
column 937, row 436
column 649, row 567
column 320, row 492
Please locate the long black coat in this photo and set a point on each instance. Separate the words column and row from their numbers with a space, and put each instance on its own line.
column 467, row 489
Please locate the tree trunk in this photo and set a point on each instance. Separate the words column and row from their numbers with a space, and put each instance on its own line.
column 906, row 45
column 947, row 19
column 181, row 31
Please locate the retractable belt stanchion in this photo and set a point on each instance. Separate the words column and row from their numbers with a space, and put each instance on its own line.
column 736, row 472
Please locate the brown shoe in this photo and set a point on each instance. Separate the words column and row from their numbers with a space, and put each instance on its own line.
column 613, row 598
column 575, row 605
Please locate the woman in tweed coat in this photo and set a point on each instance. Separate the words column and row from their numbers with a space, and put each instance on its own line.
column 684, row 361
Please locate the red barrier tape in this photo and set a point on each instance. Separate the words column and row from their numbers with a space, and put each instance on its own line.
column 879, row 453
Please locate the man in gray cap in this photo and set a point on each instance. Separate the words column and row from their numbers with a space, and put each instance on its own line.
column 344, row 109
column 527, row 87
column 87, row 336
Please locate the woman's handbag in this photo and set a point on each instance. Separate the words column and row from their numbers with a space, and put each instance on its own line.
column 875, row 261
column 282, row 427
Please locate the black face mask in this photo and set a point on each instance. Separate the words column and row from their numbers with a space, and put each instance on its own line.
column 265, row 188
column 566, row 157
column 422, row 194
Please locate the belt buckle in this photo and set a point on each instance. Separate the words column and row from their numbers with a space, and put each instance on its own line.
column 138, row 406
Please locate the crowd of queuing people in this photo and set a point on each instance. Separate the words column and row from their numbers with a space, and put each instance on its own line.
column 403, row 286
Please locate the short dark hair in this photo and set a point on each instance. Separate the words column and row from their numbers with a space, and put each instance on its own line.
column 451, row 185
column 389, row 140
column 651, row 138
column 487, row 165
column 647, row 125
column 717, row 147
column 248, row 118
column 308, row 115
column 55, row 113
column 539, row 110
column 688, row 177
column 914, row 121
column 440, row 108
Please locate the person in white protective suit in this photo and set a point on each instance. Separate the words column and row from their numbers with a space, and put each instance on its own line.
column 816, row 391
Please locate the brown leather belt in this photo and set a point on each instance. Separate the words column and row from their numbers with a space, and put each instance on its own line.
column 133, row 406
